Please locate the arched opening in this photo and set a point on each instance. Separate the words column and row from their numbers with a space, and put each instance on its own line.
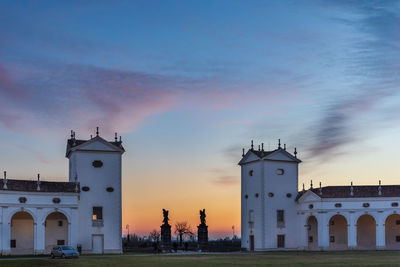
column 338, row 232
column 56, row 230
column 21, row 227
column 312, row 233
column 366, row 232
column 392, row 231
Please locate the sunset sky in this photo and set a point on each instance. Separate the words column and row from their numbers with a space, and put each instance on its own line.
column 188, row 84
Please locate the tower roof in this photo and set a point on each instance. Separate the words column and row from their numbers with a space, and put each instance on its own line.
column 254, row 155
column 76, row 144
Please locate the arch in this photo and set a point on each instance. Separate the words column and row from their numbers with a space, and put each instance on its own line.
column 338, row 232
column 50, row 211
column 392, row 231
column 16, row 210
column 56, row 230
column 312, row 232
column 366, row 232
column 22, row 233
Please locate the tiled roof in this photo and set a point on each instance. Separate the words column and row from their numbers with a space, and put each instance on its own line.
column 262, row 154
column 358, row 191
column 31, row 186
column 77, row 142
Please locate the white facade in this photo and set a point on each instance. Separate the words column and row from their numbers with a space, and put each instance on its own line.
column 84, row 212
column 276, row 216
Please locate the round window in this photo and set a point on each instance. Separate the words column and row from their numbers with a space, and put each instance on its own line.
column 85, row 188
column 311, row 206
column 110, row 189
column 22, row 199
column 251, row 173
column 288, row 195
column 56, row 200
column 280, row 171
column 270, row 194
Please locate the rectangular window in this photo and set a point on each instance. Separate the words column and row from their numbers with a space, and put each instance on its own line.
column 97, row 213
column 332, row 239
column 13, row 243
column 397, row 238
column 398, row 222
column 281, row 241
column 310, row 239
column 280, row 217
column 60, row 242
column 60, row 223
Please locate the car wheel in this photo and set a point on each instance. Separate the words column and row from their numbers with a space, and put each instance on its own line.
column 63, row 256
column 52, row 256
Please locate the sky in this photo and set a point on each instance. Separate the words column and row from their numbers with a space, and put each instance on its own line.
column 188, row 84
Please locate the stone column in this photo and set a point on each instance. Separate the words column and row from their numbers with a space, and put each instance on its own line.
column 380, row 236
column 351, row 232
column 323, row 231
column 39, row 237
column 6, row 230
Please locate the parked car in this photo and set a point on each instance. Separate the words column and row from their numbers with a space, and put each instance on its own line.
column 64, row 252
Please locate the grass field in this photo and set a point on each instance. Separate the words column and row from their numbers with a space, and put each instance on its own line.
column 374, row 258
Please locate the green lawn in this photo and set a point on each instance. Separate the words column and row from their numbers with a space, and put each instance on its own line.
column 375, row 258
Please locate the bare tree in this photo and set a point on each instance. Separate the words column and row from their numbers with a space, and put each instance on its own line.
column 182, row 229
column 155, row 235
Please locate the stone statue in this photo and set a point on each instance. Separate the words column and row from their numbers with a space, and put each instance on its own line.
column 165, row 214
column 203, row 216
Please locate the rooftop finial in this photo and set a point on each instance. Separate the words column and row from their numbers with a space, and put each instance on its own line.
column 380, row 188
column 259, row 148
column 284, row 147
column 279, row 143
column 38, row 182
column 91, row 136
column 120, row 139
column 304, row 188
column 72, row 134
column 243, row 152
column 351, row 189
column 5, row 180
column 116, row 137
column 262, row 146
column 97, row 131
column 295, row 152
column 252, row 145
column 320, row 188
column 311, row 185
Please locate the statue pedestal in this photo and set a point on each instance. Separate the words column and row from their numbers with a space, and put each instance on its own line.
column 166, row 244
column 202, row 237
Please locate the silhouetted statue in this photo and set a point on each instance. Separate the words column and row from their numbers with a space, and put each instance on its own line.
column 165, row 214
column 166, row 233
column 202, row 232
column 203, row 217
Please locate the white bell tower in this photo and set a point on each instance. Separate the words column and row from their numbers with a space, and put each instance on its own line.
column 96, row 165
column 269, row 186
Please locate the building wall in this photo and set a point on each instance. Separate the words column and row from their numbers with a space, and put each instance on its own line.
column 98, row 180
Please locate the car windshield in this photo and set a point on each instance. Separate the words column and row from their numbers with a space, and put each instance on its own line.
column 66, row 248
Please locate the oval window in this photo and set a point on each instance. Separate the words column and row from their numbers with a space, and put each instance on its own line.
column 366, row 205
column 56, row 200
column 97, row 163
column 246, row 196
column 85, row 188
column 280, row 171
column 22, row 199
column 338, row 205
column 311, row 206
column 270, row 194
column 251, row 173
column 110, row 189
column 288, row 195
column 395, row 204
column 256, row 194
